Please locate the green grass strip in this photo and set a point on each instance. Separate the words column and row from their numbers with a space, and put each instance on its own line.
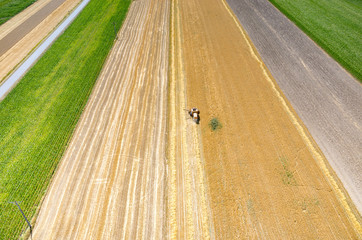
column 335, row 25
column 38, row 117
column 9, row 8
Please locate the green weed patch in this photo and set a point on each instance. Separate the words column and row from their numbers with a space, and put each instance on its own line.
column 38, row 117
column 215, row 124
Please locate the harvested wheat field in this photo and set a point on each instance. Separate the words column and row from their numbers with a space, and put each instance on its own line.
column 112, row 179
column 262, row 167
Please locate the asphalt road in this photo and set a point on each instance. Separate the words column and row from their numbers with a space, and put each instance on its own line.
column 325, row 96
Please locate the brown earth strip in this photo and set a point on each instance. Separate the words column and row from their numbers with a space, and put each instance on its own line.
column 13, row 56
column 325, row 96
column 264, row 181
column 21, row 17
column 111, row 182
column 18, row 33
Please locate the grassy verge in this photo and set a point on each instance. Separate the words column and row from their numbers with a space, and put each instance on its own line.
column 333, row 24
column 9, row 8
column 38, row 117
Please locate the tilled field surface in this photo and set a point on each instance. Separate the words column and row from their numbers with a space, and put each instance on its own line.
column 261, row 165
column 111, row 182
column 325, row 96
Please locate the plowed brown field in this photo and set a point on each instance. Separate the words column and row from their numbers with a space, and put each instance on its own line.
column 262, row 167
column 22, row 33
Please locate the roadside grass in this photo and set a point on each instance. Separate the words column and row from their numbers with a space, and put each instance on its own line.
column 9, row 8
column 333, row 24
column 38, row 117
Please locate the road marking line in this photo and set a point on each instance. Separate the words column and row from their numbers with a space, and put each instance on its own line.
column 317, row 156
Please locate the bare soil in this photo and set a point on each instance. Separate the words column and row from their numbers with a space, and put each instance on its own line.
column 261, row 166
column 21, row 34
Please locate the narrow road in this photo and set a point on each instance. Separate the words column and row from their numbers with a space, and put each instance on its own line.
column 111, row 182
column 21, row 34
column 325, row 96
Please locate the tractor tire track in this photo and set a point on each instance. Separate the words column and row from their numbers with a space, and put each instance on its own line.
column 189, row 211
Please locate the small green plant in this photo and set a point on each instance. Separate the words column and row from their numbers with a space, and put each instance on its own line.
column 215, row 124
column 287, row 175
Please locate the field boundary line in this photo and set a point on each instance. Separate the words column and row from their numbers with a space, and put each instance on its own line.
column 321, row 160
column 171, row 145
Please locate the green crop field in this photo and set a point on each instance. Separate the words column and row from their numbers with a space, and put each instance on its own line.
column 9, row 8
column 336, row 25
column 38, row 117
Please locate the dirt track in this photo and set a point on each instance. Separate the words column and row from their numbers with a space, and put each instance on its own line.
column 111, row 183
column 261, row 169
column 23, row 32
